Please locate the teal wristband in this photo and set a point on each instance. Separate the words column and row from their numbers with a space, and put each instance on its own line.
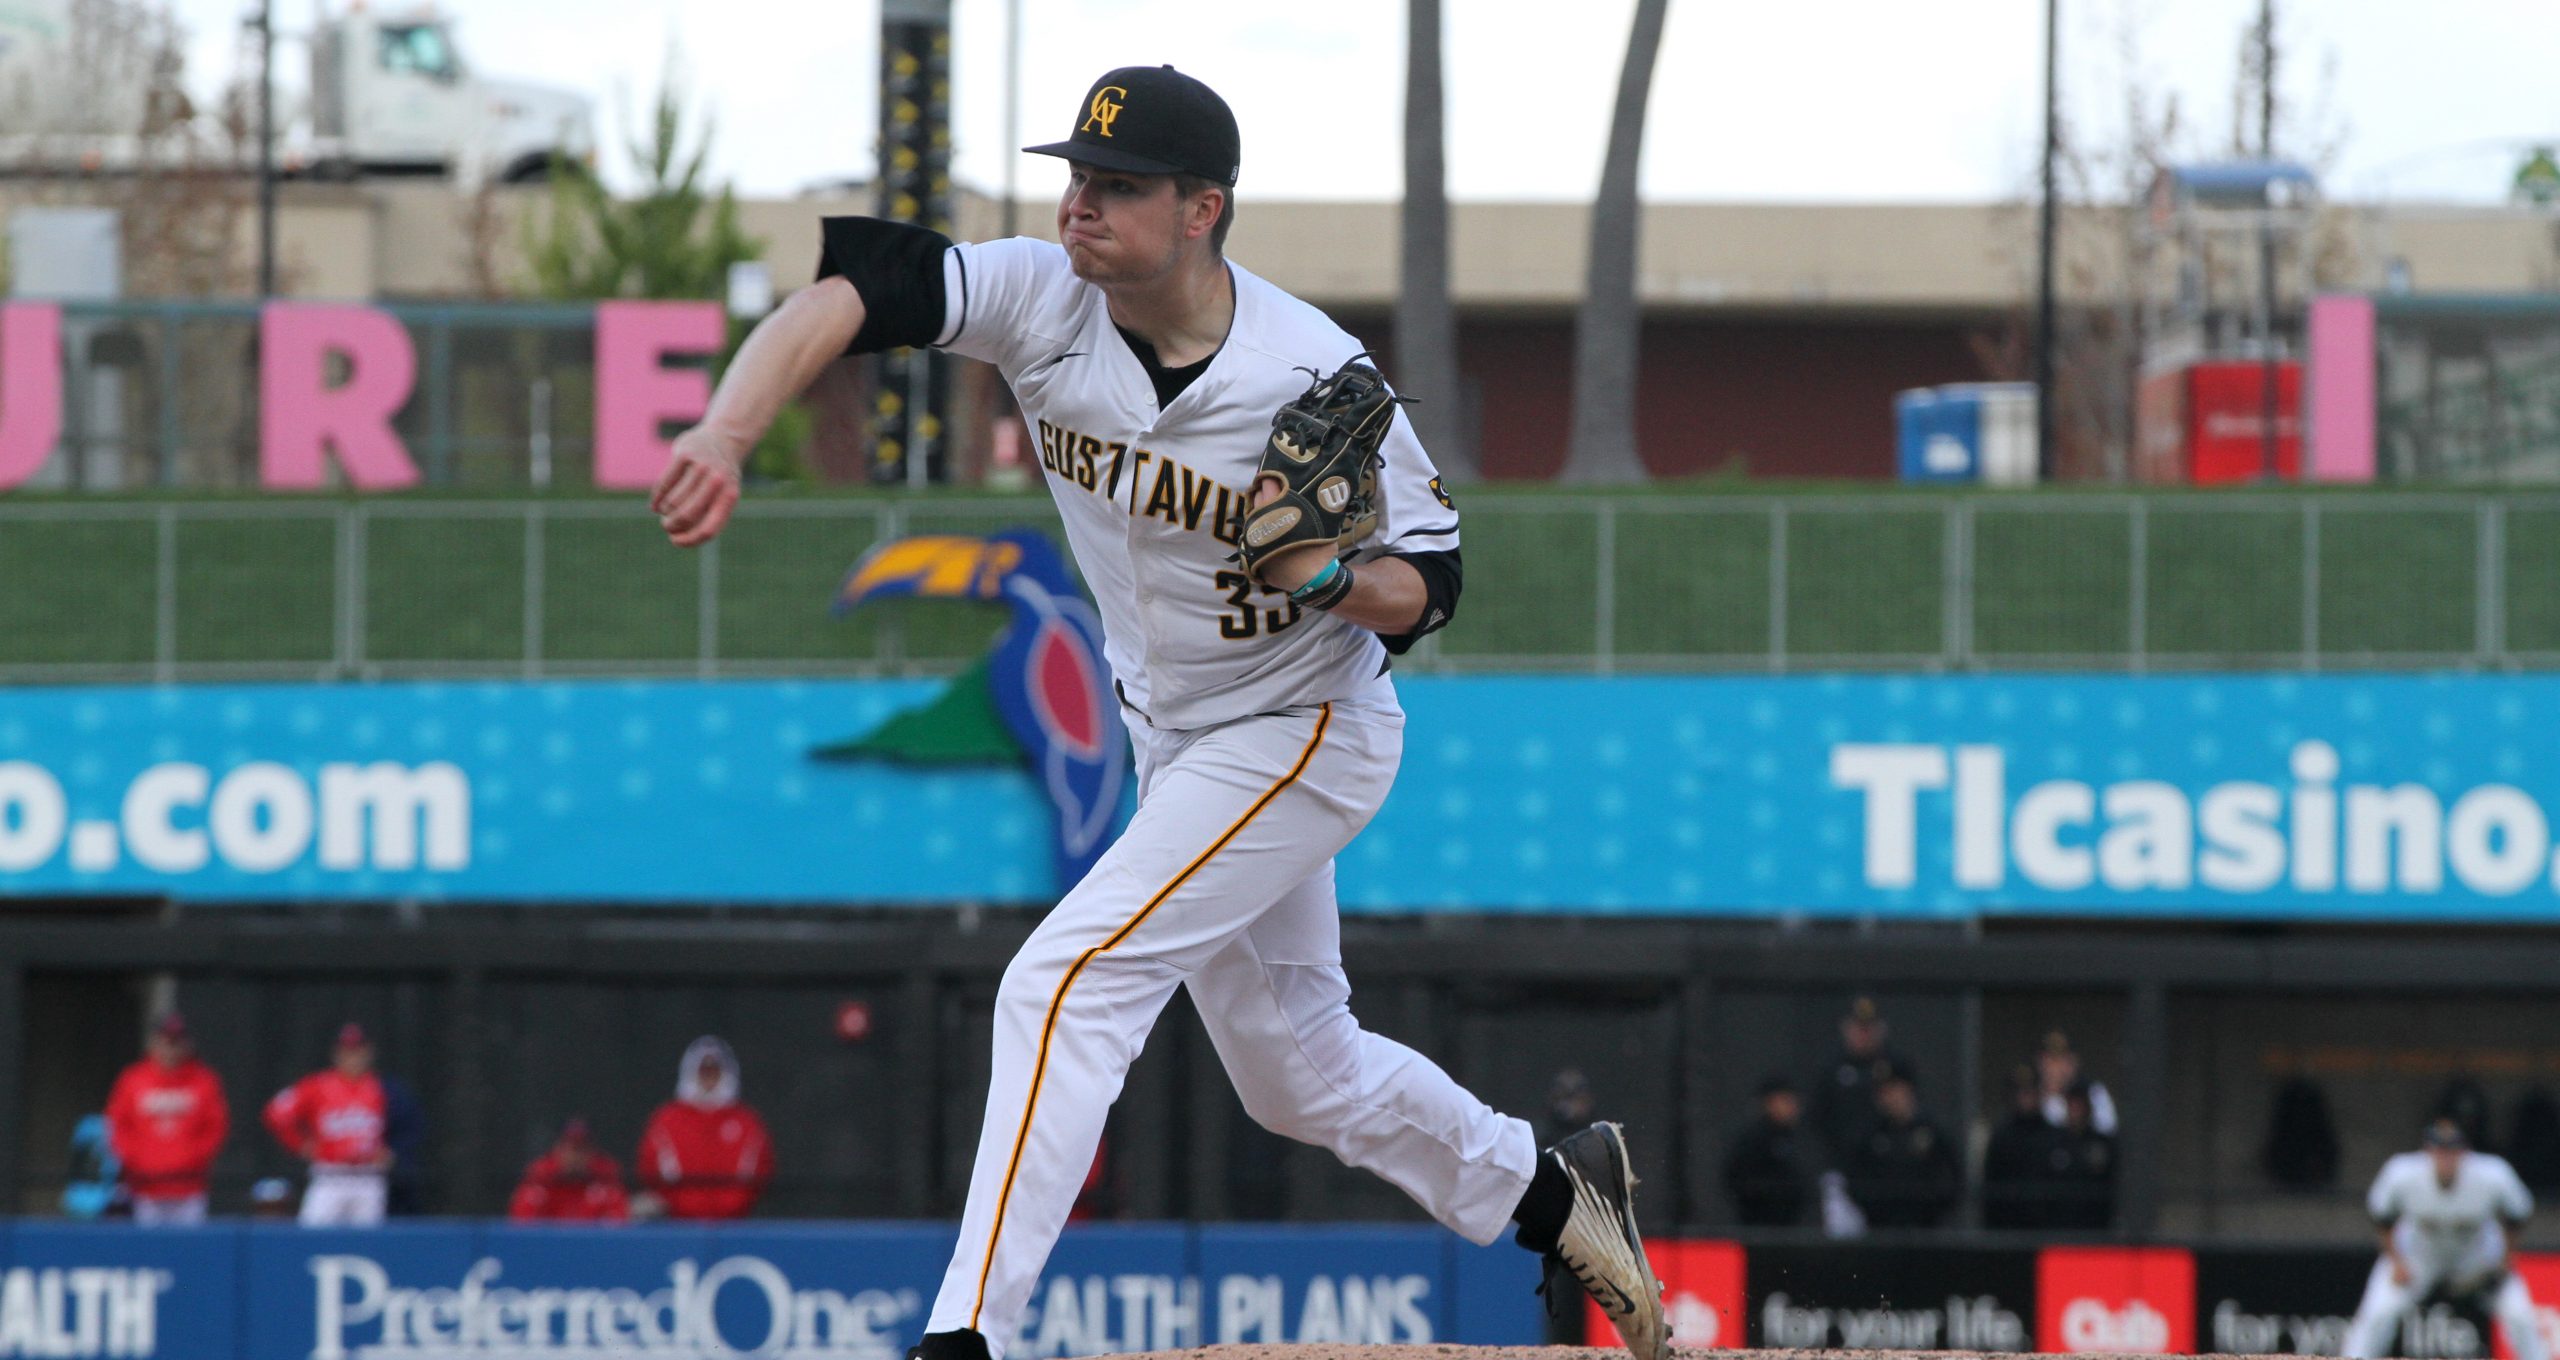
column 1324, row 593
column 1315, row 585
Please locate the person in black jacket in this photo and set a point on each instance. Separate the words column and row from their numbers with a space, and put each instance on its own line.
column 1903, row 1173
column 2014, row 1177
column 1844, row 1095
column 1765, row 1173
column 2083, row 1167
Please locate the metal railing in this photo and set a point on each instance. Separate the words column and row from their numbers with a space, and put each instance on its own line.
column 211, row 590
column 165, row 394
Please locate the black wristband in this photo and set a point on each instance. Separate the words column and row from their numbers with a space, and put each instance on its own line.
column 1335, row 592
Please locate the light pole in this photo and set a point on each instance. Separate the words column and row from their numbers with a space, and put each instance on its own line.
column 1012, row 107
column 265, row 23
column 2045, row 230
column 2270, row 371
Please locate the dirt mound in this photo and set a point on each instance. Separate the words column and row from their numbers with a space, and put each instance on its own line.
column 1331, row 1351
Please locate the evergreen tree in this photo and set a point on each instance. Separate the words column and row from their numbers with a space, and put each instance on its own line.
column 675, row 239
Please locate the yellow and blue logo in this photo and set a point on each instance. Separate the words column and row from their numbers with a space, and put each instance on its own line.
column 1044, row 681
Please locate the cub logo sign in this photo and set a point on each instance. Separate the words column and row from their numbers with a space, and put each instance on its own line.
column 2540, row 1272
column 1701, row 1294
column 2116, row 1300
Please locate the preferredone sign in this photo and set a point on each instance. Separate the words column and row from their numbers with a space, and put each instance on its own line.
column 358, row 1311
column 459, row 1290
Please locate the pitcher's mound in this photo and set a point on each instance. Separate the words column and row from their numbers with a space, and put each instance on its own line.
column 1438, row 1351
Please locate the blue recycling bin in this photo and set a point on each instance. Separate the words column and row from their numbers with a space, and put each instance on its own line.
column 1938, row 436
column 1966, row 433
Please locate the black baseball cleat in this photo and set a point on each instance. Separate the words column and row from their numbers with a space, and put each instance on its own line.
column 1600, row 1246
column 962, row 1344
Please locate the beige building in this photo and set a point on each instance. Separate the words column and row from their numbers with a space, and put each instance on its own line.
column 418, row 239
column 1776, row 334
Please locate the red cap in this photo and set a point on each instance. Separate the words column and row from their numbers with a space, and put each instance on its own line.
column 351, row 1035
column 172, row 1026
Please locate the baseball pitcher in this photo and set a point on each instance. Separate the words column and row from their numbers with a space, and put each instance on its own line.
column 1262, row 532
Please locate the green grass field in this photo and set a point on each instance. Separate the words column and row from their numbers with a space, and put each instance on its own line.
column 1732, row 577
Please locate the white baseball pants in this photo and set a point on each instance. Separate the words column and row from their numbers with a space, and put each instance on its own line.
column 2385, row 1303
column 183, row 1211
column 344, row 1197
column 1223, row 883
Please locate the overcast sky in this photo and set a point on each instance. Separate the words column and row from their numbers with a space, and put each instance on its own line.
column 1865, row 100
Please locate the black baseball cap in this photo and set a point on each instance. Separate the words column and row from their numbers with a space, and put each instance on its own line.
column 1153, row 120
column 2444, row 1133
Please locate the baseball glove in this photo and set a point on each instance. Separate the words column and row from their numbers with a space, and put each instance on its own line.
column 1324, row 451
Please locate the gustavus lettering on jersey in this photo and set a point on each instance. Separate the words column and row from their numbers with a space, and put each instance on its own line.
column 1075, row 457
column 1178, row 496
column 1181, row 497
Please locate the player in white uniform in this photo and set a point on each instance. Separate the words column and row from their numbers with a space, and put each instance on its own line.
column 1265, row 725
column 2448, row 1218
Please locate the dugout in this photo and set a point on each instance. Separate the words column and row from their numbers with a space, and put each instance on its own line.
column 506, row 1021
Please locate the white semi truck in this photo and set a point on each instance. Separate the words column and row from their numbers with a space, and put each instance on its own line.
column 93, row 85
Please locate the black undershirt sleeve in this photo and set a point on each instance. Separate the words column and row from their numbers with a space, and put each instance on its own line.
column 897, row 268
column 1440, row 584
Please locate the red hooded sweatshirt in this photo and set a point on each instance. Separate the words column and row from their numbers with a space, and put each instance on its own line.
column 704, row 1153
column 166, row 1124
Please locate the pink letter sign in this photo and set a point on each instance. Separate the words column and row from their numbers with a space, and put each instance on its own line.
column 634, row 393
column 304, row 414
column 30, row 388
column 2341, row 390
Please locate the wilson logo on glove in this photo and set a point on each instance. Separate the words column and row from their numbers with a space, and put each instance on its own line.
column 1268, row 527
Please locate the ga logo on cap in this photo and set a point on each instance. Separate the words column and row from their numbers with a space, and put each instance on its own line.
column 1104, row 109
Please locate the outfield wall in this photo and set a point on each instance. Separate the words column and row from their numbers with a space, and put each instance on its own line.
column 460, row 1290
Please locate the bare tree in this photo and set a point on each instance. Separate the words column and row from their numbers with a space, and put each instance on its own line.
column 123, row 135
column 1426, row 324
column 1606, row 333
column 2113, row 261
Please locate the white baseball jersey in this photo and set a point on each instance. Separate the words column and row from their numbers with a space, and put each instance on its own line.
column 2451, row 1237
column 1271, row 734
column 2438, row 1223
column 1154, row 500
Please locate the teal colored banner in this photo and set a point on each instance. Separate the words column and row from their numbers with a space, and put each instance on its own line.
column 2346, row 797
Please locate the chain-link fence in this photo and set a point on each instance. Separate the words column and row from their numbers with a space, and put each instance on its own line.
column 534, row 587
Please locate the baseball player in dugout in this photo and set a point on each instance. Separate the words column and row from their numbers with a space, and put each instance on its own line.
column 334, row 1119
column 167, row 1119
column 2448, row 1217
column 1261, row 533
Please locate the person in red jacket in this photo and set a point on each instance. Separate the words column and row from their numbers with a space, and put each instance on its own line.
column 705, row 1154
column 575, row 1182
column 333, row 1119
column 166, row 1119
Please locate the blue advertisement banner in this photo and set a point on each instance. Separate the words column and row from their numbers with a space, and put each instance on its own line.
column 454, row 1290
column 2266, row 797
